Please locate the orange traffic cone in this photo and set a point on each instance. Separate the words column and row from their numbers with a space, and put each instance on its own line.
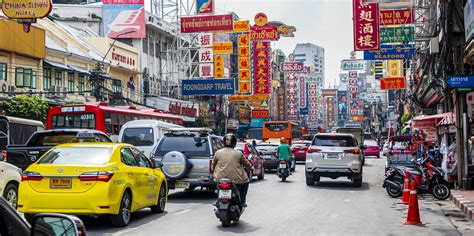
column 413, row 217
column 406, row 190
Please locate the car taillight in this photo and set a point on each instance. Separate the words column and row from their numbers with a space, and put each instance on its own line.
column 312, row 150
column 225, row 186
column 4, row 155
column 211, row 170
column 353, row 151
column 31, row 176
column 103, row 176
column 282, row 162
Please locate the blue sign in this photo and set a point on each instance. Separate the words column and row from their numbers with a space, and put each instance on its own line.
column 207, row 87
column 390, row 52
column 257, row 122
column 461, row 81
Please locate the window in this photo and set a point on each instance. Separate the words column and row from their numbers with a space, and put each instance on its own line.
column 59, row 78
column 140, row 158
column 152, row 48
column 145, row 45
column 108, row 123
column 70, row 82
column 77, row 121
column 127, row 157
column 138, row 136
column 116, row 86
column 185, row 144
column 46, row 79
column 81, row 80
column 334, row 141
column 77, row 156
column 25, row 78
column 3, row 71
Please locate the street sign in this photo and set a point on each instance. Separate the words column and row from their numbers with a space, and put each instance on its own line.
column 461, row 81
column 397, row 35
column 264, row 103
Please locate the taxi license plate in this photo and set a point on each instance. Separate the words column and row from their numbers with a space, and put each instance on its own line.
column 181, row 184
column 225, row 194
column 60, row 183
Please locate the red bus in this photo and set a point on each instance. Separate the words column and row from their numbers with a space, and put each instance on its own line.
column 100, row 116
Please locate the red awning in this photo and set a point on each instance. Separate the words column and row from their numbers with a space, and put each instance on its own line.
column 428, row 121
column 450, row 119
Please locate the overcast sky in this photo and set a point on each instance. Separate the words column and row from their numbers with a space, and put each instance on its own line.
column 326, row 23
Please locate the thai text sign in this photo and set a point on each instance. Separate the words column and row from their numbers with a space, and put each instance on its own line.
column 397, row 35
column 260, row 113
column 390, row 53
column 353, row 65
column 207, row 87
column 392, row 83
column 242, row 26
column 26, row 9
column 291, row 67
column 366, row 26
column 223, row 48
column 264, row 33
column 396, row 17
column 195, row 24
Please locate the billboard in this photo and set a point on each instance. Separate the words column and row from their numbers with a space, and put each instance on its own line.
column 390, row 53
column 212, row 23
column 198, row 87
column 124, row 19
column 366, row 26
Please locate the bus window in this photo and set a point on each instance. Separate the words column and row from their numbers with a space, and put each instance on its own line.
column 128, row 118
column 115, row 124
column 108, row 123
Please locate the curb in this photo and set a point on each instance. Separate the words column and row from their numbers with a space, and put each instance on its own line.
column 463, row 204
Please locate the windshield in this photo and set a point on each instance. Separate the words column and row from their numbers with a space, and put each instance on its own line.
column 334, row 141
column 138, row 136
column 370, row 143
column 77, row 156
column 184, row 144
column 53, row 138
column 267, row 148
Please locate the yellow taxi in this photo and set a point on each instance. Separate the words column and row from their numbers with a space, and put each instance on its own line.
column 93, row 179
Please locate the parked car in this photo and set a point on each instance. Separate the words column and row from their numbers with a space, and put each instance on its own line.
column 43, row 224
column 334, row 155
column 372, row 148
column 10, row 178
column 93, row 179
column 299, row 149
column 268, row 151
column 40, row 142
column 254, row 158
column 16, row 131
column 187, row 154
column 144, row 134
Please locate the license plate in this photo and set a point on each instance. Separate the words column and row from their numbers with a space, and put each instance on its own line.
column 181, row 184
column 60, row 183
column 282, row 165
column 301, row 151
column 267, row 157
column 333, row 156
column 225, row 194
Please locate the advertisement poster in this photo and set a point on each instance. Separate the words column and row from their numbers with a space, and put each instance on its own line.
column 204, row 7
column 124, row 20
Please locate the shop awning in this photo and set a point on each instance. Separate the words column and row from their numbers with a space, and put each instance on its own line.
column 57, row 65
column 449, row 119
column 79, row 70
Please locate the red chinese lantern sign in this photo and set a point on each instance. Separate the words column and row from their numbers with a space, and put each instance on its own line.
column 392, row 83
column 366, row 26
column 260, row 113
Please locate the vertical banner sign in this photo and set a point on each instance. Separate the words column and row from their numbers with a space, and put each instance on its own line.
column 261, row 74
column 219, row 66
column 124, row 18
column 342, row 107
column 302, row 89
column 330, row 110
column 356, row 108
column 206, row 40
column 395, row 68
column 366, row 26
column 206, row 55
column 243, row 58
column 313, row 114
column 292, row 96
column 204, row 7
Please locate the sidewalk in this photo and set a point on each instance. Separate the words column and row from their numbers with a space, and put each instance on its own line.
column 464, row 200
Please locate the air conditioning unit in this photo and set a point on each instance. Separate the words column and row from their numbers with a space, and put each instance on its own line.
column 3, row 86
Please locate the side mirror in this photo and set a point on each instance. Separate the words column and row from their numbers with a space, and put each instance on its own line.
column 157, row 164
column 57, row 224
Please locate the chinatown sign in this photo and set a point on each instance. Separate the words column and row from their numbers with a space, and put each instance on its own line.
column 26, row 9
column 353, row 65
column 366, row 26
column 395, row 83
column 396, row 17
column 211, row 23
column 262, row 31
column 291, row 67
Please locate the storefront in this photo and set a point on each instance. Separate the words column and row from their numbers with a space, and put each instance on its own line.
column 428, row 125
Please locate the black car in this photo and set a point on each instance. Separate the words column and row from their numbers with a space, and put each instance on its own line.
column 11, row 224
column 41, row 141
column 269, row 151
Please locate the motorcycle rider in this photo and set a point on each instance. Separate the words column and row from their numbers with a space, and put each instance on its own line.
column 231, row 164
column 284, row 152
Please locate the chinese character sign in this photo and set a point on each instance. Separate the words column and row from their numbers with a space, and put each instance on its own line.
column 366, row 26
column 243, row 58
column 219, row 66
column 396, row 17
column 206, row 70
column 261, row 74
column 392, row 83
column 313, row 114
column 206, row 40
column 206, row 55
column 302, row 89
column 292, row 95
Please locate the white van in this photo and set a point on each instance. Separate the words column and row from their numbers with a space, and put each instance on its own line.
column 144, row 134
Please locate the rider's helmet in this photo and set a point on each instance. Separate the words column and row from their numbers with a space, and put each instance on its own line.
column 283, row 140
column 230, row 140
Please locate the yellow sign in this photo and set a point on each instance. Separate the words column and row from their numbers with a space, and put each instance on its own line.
column 222, row 48
column 241, row 26
column 244, row 52
column 244, row 40
column 395, row 68
column 244, row 87
column 261, row 19
column 261, row 96
column 244, row 63
column 219, row 66
column 26, row 9
column 239, row 98
column 244, row 75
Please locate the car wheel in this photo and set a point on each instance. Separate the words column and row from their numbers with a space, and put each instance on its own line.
column 309, row 179
column 262, row 175
column 317, row 178
column 125, row 212
column 11, row 194
column 160, row 206
column 357, row 180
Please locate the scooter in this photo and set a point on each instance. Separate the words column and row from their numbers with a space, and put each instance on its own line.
column 283, row 171
column 228, row 206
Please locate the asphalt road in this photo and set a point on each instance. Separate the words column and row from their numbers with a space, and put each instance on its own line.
column 275, row 208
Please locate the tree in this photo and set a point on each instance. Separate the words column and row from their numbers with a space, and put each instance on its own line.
column 28, row 107
column 200, row 122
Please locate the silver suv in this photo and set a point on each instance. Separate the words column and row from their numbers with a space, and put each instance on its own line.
column 186, row 155
column 334, row 155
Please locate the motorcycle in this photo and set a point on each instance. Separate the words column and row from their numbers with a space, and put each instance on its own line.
column 228, row 206
column 283, row 171
column 428, row 178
